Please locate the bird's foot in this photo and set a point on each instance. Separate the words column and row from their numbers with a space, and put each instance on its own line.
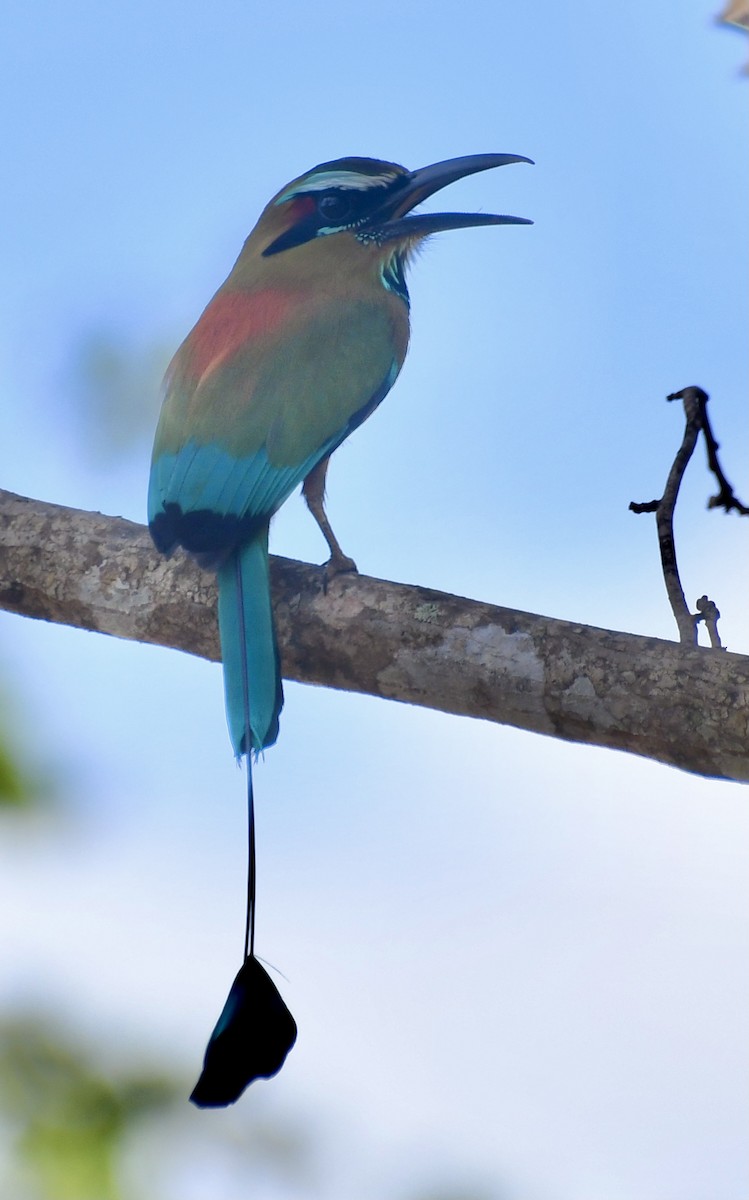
column 337, row 564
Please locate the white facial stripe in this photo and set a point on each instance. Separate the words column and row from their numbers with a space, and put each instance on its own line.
column 347, row 180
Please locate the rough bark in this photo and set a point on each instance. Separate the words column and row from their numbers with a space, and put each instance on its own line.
column 683, row 705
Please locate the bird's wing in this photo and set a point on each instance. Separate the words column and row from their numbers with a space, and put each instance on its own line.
column 239, row 431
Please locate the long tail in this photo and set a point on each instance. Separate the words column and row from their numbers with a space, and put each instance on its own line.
column 252, row 676
column 255, row 1030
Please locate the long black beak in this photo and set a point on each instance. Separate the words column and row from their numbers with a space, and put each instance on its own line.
column 428, row 180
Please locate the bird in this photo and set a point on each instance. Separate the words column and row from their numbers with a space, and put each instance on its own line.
column 296, row 349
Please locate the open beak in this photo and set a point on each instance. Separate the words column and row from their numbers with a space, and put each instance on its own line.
column 391, row 221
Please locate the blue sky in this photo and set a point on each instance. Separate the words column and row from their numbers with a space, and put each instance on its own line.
column 511, row 960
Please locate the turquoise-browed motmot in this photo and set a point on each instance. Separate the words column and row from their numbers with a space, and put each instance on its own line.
column 297, row 348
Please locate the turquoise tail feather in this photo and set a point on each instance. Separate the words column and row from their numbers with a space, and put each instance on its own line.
column 252, row 674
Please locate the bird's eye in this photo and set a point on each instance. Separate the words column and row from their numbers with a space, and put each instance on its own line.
column 335, row 208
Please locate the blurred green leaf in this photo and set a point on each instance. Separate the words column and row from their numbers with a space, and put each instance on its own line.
column 14, row 792
column 21, row 787
column 70, row 1121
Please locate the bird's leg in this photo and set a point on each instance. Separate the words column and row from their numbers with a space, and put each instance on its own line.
column 314, row 493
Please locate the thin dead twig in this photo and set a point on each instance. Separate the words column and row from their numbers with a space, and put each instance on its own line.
column 694, row 400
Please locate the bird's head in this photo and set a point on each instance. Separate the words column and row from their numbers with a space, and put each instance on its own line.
column 368, row 203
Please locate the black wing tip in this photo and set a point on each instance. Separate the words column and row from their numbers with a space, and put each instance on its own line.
column 161, row 528
column 208, row 536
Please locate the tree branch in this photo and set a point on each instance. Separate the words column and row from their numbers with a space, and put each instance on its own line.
column 682, row 705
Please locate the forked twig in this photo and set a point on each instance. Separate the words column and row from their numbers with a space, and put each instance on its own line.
column 695, row 409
